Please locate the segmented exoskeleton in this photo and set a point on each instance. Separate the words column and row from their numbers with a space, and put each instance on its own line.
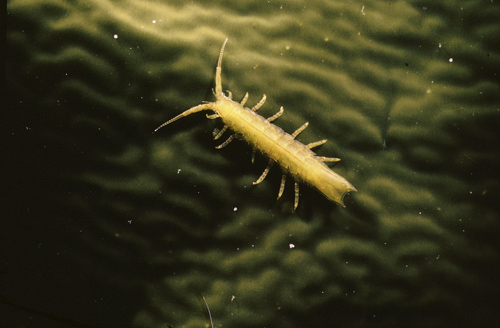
column 295, row 158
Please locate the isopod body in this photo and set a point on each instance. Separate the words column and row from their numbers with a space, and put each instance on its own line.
column 295, row 158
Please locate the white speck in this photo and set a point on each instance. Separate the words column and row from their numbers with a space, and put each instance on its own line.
column 154, row 21
column 115, row 36
column 235, row 209
column 362, row 10
column 450, row 60
column 291, row 246
column 129, row 221
column 178, row 171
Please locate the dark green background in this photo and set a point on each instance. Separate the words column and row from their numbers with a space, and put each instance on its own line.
column 106, row 224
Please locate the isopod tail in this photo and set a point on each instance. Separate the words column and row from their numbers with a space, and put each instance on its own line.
column 332, row 185
column 190, row 111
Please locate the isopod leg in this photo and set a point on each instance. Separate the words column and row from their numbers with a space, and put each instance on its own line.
column 282, row 186
column 275, row 116
column 328, row 159
column 212, row 116
column 229, row 94
column 244, row 100
column 315, row 144
column 296, row 201
column 259, row 104
column 225, row 143
column 264, row 174
column 217, row 134
column 299, row 130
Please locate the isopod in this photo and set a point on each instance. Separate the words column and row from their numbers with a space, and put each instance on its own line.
column 295, row 158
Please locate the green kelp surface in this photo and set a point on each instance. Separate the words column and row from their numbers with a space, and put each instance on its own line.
column 109, row 225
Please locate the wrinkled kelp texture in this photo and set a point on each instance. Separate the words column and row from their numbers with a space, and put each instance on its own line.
column 110, row 225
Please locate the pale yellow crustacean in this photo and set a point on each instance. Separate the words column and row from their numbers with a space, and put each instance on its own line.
column 295, row 158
